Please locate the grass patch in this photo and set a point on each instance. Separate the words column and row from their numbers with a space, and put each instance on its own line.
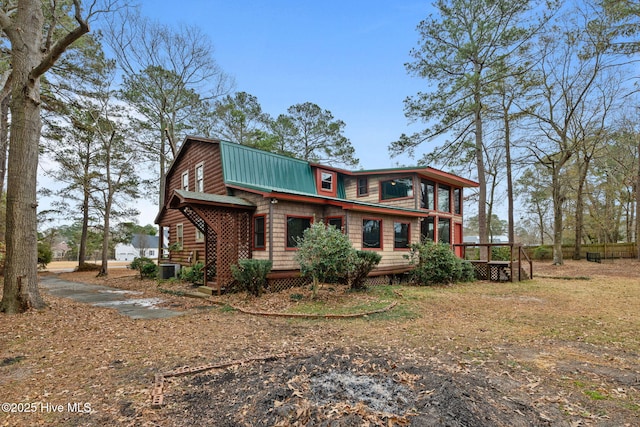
column 595, row 395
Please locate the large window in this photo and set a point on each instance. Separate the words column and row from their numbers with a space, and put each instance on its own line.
column 363, row 186
column 401, row 235
column 396, row 188
column 200, row 178
column 444, row 198
column 457, row 201
column 335, row 221
column 427, row 229
column 428, row 190
column 259, row 241
column 185, row 180
column 372, row 234
column 295, row 228
column 444, row 230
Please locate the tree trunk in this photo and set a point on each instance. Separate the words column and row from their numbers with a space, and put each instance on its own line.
column 21, row 267
column 507, row 155
column 638, row 203
column 577, row 246
column 4, row 141
column 82, row 250
column 482, row 191
column 104, row 267
column 558, row 202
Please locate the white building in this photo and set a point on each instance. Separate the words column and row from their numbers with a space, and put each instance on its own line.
column 141, row 245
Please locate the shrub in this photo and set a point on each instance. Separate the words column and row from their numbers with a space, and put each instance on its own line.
column 435, row 263
column 45, row 254
column 85, row 266
column 325, row 254
column 147, row 268
column 194, row 274
column 501, row 253
column 362, row 264
column 251, row 274
column 542, row 252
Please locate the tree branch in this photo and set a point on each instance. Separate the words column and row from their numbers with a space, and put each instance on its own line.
column 61, row 45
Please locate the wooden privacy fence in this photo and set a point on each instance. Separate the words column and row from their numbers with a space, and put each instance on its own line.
column 606, row 251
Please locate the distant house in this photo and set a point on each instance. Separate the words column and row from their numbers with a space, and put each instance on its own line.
column 60, row 250
column 225, row 202
column 142, row 245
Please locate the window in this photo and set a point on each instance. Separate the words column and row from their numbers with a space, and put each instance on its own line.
column 180, row 235
column 457, row 201
column 401, row 235
column 427, row 229
column 295, row 228
column 326, row 182
column 259, row 241
column 444, row 198
column 396, row 188
column 363, row 186
column 151, row 253
column 200, row 178
column 444, row 230
column 199, row 236
column 428, row 190
column 185, row 180
column 372, row 234
column 335, row 221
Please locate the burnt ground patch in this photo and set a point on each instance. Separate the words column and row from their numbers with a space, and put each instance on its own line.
column 350, row 388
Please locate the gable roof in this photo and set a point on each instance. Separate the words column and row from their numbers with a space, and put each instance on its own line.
column 146, row 241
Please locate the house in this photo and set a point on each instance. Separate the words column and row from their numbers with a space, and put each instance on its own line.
column 142, row 245
column 60, row 250
column 224, row 202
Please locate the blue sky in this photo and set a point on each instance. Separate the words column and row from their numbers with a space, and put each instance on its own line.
column 346, row 56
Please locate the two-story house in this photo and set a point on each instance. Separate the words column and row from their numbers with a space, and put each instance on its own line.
column 225, row 202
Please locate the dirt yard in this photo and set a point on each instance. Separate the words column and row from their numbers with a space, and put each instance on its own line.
column 560, row 350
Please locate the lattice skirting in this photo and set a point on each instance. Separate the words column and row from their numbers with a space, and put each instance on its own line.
column 277, row 285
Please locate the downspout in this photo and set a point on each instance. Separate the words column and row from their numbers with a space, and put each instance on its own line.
column 271, row 231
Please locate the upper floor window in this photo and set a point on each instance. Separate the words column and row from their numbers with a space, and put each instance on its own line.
column 185, row 180
column 200, row 178
column 428, row 190
column 326, row 182
column 363, row 186
column 179, row 235
column 457, row 201
column 396, row 188
column 444, row 198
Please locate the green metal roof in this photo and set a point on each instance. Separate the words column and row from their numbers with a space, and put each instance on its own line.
column 248, row 167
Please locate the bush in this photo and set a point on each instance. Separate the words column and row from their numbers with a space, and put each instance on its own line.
column 542, row 252
column 435, row 263
column 362, row 264
column 501, row 253
column 325, row 254
column 85, row 266
column 147, row 268
column 45, row 255
column 194, row 274
column 251, row 274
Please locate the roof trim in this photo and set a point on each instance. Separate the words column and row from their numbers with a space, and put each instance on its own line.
column 181, row 198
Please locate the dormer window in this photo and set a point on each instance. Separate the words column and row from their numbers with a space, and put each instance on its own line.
column 326, row 182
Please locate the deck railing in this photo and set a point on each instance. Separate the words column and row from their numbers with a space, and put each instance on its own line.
column 516, row 255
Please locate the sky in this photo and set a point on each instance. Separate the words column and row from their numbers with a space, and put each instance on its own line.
column 346, row 56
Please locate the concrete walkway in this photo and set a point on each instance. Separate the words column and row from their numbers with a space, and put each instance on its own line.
column 104, row 296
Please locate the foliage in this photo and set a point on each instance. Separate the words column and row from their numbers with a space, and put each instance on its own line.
column 435, row 263
column 501, row 253
column 85, row 266
column 147, row 268
column 324, row 253
column 310, row 133
column 45, row 254
column 542, row 252
column 363, row 263
column 194, row 274
column 251, row 274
